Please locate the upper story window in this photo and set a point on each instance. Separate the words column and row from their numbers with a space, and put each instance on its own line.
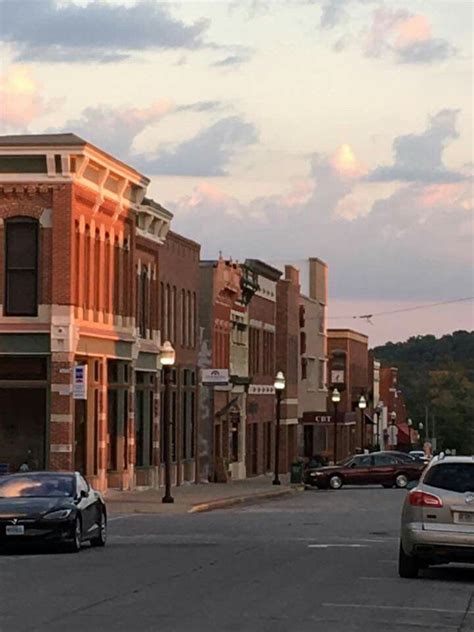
column 21, row 266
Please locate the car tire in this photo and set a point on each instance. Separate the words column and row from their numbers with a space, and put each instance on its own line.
column 401, row 481
column 74, row 546
column 101, row 538
column 408, row 565
column 335, row 482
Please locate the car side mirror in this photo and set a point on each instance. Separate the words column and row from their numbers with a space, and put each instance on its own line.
column 84, row 493
column 353, row 464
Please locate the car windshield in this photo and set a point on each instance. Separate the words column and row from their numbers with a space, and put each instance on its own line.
column 31, row 486
column 346, row 461
column 455, row 477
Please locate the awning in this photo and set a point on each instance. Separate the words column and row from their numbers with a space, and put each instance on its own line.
column 223, row 411
column 369, row 421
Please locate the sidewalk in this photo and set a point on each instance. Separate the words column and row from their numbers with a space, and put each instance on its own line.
column 192, row 498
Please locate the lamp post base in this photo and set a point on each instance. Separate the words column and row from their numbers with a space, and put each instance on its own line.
column 276, row 481
column 167, row 499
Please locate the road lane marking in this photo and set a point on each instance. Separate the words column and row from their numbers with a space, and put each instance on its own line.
column 344, row 546
column 380, row 607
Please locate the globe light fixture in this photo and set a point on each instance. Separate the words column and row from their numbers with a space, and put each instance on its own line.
column 167, row 354
column 335, row 396
column 279, row 384
column 167, row 359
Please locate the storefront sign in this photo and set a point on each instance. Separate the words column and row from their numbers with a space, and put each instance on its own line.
column 317, row 418
column 215, row 377
column 79, row 389
column 261, row 389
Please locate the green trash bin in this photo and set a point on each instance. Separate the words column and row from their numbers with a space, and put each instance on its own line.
column 296, row 476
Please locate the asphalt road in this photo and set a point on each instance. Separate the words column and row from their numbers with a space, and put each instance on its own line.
column 320, row 561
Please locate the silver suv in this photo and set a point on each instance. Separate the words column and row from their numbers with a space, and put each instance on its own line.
column 438, row 516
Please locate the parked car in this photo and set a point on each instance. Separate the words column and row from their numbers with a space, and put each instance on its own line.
column 53, row 507
column 419, row 454
column 317, row 460
column 384, row 468
column 438, row 517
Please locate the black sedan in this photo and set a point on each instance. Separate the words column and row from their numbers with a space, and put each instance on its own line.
column 53, row 507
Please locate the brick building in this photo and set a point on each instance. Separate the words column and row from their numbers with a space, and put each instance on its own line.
column 221, row 413
column 287, row 360
column 79, row 313
column 262, row 369
column 179, row 303
column 396, row 412
column 348, row 371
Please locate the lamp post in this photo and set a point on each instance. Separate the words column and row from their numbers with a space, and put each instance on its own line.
column 409, row 424
column 279, row 385
column 362, row 406
column 335, row 398
column 167, row 359
column 420, row 429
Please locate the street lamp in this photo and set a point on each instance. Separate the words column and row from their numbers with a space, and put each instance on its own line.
column 335, row 398
column 362, row 406
column 420, row 429
column 279, row 385
column 409, row 424
column 167, row 359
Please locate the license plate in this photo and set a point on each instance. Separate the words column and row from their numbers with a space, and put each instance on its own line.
column 465, row 517
column 15, row 529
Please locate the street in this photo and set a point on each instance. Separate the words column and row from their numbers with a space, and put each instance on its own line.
column 318, row 560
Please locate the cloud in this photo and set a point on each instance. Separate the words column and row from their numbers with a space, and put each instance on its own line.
column 419, row 157
column 332, row 13
column 406, row 36
column 114, row 129
column 208, row 153
column 413, row 243
column 21, row 101
column 98, row 31
column 231, row 60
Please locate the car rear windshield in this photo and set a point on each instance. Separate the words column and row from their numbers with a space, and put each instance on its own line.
column 31, row 486
column 455, row 477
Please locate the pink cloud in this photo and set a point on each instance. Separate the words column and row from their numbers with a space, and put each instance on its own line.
column 20, row 98
column 411, row 30
column 406, row 35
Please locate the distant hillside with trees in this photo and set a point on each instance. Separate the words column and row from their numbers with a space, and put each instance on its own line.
column 437, row 375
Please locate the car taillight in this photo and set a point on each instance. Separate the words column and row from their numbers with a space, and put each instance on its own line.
column 423, row 499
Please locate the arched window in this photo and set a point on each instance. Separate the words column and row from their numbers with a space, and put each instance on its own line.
column 21, row 266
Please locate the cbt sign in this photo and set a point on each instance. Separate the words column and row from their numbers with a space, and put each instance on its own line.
column 79, row 385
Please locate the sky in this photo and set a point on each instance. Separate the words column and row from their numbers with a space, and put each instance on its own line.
column 340, row 129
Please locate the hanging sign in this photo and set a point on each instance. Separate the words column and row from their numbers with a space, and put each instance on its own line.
column 79, row 388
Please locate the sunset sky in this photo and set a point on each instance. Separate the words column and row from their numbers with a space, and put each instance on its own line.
column 340, row 129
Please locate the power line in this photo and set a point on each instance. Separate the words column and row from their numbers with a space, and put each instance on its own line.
column 368, row 317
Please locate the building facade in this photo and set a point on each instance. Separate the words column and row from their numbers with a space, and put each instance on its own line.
column 179, row 283
column 80, row 249
column 262, row 368
column 348, row 372
column 222, row 434
column 315, row 423
column 287, row 360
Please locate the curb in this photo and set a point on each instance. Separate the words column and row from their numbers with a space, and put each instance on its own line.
column 242, row 500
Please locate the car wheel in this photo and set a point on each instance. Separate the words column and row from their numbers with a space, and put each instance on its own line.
column 335, row 482
column 408, row 566
column 401, row 481
column 74, row 546
column 101, row 538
